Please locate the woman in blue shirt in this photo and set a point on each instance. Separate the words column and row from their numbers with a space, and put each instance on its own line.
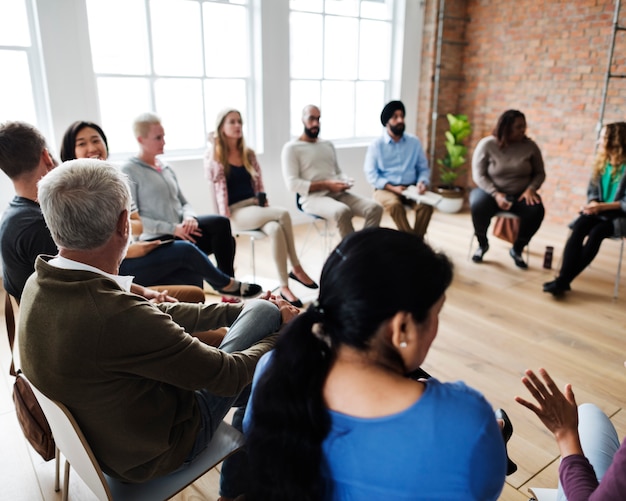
column 334, row 415
column 603, row 216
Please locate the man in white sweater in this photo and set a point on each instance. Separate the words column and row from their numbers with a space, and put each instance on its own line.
column 310, row 169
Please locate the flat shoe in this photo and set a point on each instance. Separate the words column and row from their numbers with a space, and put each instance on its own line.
column 519, row 261
column 555, row 288
column 297, row 303
column 244, row 290
column 312, row 285
column 480, row 252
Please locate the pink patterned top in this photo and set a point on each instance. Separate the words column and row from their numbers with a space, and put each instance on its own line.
column 214, row 172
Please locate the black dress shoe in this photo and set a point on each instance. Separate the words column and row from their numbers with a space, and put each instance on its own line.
column 555, row 288
column 244, row 290
column 480, row 252
column 507, row 432
column 312, row 285
column 297, row 303
column 519, row 261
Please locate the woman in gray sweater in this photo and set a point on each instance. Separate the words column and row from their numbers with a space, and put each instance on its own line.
column 508, row 169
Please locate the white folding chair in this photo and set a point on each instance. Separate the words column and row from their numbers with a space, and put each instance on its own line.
column 73, row 445
column 324, row 230
column 254, row 235
column 506, row 215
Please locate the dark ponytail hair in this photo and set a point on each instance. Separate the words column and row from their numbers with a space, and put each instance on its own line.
column 68, row 144
column 504, row 127
column 367, row 279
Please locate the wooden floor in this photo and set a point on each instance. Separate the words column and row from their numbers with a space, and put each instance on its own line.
column 496, row 323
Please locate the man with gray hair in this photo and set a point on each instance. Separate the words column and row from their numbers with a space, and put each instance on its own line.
column 310, row 169
column 148, row 396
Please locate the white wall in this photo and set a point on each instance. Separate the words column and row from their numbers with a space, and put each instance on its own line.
column 73, row 95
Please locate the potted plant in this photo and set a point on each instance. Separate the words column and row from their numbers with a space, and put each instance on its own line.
column 451, row 166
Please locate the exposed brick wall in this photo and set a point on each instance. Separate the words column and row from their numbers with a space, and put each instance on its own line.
column 547, row 58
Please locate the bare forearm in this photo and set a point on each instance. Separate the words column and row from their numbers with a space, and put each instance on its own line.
column 568, row 442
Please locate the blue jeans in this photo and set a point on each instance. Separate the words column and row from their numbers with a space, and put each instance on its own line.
column 258, row 319
column 598, row 439
column 178, row 263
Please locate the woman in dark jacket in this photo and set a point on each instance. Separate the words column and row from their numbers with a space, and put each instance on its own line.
column 604, row 215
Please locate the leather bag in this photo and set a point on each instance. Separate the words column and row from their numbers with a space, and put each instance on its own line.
column 506, row 228
column 28, row 411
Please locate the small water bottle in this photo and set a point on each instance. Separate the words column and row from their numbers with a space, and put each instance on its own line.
column 547, row 257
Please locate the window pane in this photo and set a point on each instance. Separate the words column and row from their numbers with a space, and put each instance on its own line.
column 119, row 43
column 225, row 93
column 180, row 52
column 375, row 49
column 376, row 9
column 16, row 93
column 343, row 7
column 14, row 24
column 370, row 99
column 305, row 37
column 307, row 5
column 226, row 25
column 121, row 101
column 341, row 48
column 337, row 109
column 179, row 103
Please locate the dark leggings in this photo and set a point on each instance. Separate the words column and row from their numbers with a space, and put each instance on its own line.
column 217, row 239
column 483, row 207
column 579, row 253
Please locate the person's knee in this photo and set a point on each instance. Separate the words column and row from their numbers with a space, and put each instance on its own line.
column 393, row 207
column 376, row 210
column 264, row 311
column 343, row 214
column 588, row 410
column 218, row 224
column 284, row 218
column 271, row 228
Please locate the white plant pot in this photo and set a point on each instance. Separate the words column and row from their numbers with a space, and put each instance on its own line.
column 452, row 200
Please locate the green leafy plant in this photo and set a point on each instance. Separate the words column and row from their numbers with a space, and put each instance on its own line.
column 451, row 166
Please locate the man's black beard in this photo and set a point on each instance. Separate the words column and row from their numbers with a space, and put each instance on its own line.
column 312, row 134
column 397, row 130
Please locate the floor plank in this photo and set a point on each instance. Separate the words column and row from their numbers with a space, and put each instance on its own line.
column 496, row 323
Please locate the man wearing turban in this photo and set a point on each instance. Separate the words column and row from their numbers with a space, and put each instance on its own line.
column 395, row 161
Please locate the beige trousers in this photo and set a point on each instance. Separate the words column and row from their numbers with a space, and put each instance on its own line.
column 341, row 207
column 276, row 223
column 395, row 204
